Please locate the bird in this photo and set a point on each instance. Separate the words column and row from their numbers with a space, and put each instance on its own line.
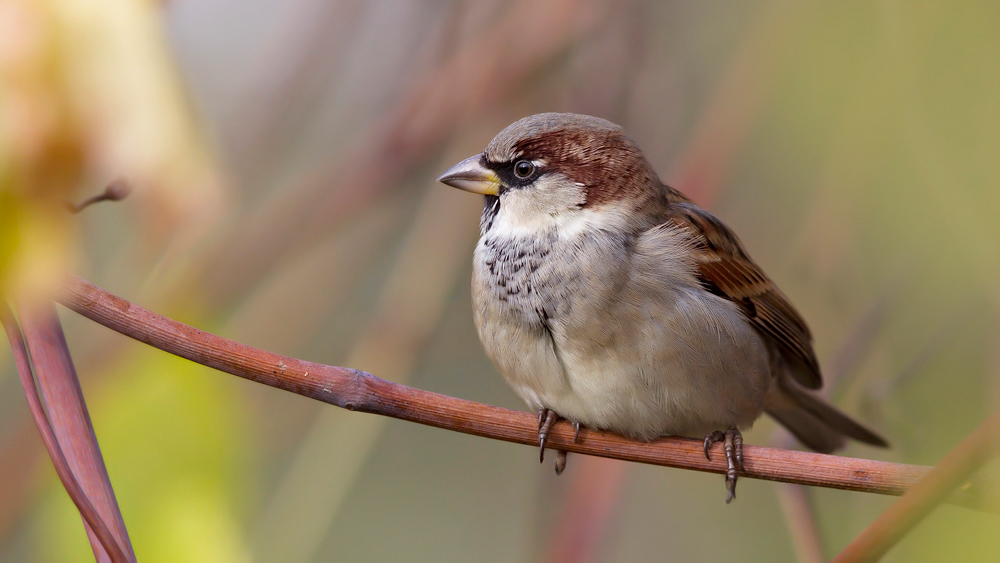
column 612, row 301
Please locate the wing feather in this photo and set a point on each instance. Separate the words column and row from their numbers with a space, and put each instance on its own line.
column 726, row 270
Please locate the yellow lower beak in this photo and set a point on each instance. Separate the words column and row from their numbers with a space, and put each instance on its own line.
column 470, row 175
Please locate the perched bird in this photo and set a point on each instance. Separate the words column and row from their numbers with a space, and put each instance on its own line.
column 610, row 300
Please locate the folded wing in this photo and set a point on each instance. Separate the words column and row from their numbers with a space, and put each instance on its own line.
column 725, row 269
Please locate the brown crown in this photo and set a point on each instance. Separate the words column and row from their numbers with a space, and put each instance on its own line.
column 588, row 150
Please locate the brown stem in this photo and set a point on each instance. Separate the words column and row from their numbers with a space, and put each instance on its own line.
column 933, row 489
column 90, row 515
column 359, row 391
column 67, row 414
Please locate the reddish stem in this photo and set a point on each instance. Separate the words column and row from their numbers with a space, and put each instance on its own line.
column 107, row 545
column 70, row 422
column 356, row 390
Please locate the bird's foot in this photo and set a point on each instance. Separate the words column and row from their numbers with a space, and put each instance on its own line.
column 732, row 444
column 546, row 419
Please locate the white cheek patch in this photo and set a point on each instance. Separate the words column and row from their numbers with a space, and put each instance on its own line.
column 551, row 203
column 539, row 206
column 521, row 215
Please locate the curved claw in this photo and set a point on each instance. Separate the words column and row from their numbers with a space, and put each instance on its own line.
column 710, row 439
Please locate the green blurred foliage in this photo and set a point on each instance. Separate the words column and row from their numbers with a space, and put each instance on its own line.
column 178, row 456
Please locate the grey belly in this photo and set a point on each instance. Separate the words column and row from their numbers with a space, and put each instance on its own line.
column 681, row 362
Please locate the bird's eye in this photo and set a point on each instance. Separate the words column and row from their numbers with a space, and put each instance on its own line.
column 523, row 169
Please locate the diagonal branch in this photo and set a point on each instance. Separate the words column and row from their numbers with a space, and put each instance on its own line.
column 67, row 414
column 90, row 515
column 359, row 391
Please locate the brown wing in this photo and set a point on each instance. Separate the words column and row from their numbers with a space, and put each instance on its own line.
column 727, row 271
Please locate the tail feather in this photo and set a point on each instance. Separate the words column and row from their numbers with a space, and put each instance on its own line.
column 816, row 423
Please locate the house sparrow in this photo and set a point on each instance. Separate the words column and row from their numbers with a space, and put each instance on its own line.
column 611, row 300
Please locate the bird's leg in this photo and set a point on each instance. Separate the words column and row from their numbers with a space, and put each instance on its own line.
column 546, row 418
column 732, row 444
column 738, row 446
column 730, row 447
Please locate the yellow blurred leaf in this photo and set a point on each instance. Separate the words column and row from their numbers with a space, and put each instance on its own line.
column 88, row 92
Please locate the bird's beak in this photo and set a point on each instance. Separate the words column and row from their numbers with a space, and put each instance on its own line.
column 470, row 175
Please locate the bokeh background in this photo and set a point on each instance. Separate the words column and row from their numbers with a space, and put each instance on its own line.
column 283, row 155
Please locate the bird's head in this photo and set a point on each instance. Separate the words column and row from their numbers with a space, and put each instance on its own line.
column 557, row 168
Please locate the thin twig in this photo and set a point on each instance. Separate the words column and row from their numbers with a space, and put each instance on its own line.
column 933, row 489
column 90, row 515
column 117, row 190
column 359, row 391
